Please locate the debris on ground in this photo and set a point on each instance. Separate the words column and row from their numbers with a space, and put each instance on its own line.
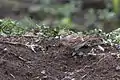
column 31, row 58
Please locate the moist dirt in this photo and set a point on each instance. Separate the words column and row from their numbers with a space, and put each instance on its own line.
column 31, row 58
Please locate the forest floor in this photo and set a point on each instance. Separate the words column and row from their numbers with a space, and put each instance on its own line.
column 31, row 58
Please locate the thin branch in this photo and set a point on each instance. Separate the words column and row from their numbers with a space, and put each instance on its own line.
column 20, row 44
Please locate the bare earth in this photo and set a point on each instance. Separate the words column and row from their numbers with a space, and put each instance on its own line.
column 30, row 58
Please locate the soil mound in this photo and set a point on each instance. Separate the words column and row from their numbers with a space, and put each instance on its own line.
column 31, row 58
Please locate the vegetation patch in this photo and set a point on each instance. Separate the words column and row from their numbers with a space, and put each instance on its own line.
column 31, row 51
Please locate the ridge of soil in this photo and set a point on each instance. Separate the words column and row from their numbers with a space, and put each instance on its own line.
column 30, row 58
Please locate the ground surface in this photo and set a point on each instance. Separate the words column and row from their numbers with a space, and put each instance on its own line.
column 56, row 60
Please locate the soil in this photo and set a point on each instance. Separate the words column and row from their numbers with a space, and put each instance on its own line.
column 31, row 58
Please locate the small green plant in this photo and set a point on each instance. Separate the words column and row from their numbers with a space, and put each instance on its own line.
column 47, row 31
column 9, row 27
column 12, row 27
column 114, row 36
column 95, row 32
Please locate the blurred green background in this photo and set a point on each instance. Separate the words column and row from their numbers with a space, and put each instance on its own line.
column 79, row 15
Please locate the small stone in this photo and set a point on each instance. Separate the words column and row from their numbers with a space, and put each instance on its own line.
column 5, row 49
column 81, row 54
column 43, row 71
column 118, row 68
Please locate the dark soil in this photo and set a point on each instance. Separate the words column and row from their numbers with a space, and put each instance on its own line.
column 31, row 58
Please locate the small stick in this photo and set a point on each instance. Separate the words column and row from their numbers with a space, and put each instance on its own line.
column 12, row 75
column 19, row 57
column 16, row 43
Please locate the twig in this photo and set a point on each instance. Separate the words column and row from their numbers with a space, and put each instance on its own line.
column 16, row 43
column 80, row 45
column 19, row 57
column 84, row 76
column 12, row 75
